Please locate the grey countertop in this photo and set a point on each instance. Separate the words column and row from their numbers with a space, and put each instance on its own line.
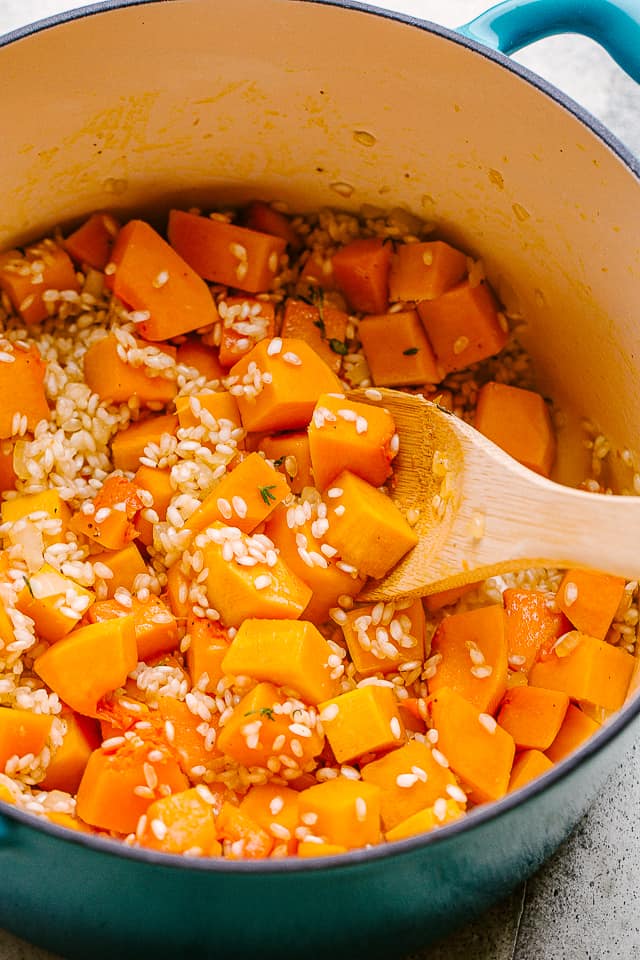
column 585, row 903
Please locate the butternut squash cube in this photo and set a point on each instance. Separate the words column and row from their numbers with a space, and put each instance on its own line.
column 116, row 380
column 323, row 327
column 365, row 526
column 208, row 644
column 589, row 669
column 410, row 779
column 244, row 497
column 463, row 326
column 128, row 445
column 346, row 435
column 246, row 321
column 590, row 599
column 528, row 765
column 307, row 848
column 364, row 720
column 156, row 628
column 533, row 716
column 259, row 730
column 397, row 349
column 519, row 422
column 22, row 732
column 425, row 820
column 347, row 812
column 24, row 277
column 49, row 502
column 158, row 484
column 238, row 591
column 424, row 271
column 68, row 762
column 125, row 565
column 576, row 728
column 290, row 381
column 290, row 455
column 276, row 809
column 290, row 653
column 303, row 554
column 187, row 825
column 402, row 640
column 220, row 405
column 193, row 352
column 54, row 602
column 478, row 750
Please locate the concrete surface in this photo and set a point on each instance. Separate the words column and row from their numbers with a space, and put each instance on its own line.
column 584, row 904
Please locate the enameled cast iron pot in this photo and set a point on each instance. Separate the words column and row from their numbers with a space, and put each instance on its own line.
column 131, row 105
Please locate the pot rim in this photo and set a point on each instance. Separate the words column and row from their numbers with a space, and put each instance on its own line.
column 480, row 815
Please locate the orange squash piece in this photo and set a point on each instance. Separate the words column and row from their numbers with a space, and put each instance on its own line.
column 424, row 271
column 397, row 350
column 92, row 242
column 533, row 716
column 519, row 422
column 345, row 812
column 219, row 405
column 590, row 600
column 243, row 838
column 111, row 523
column 158, row 484
column 576, row 728
column 22, row 387
column 403, row 633
column 156, row 629
column 240, row 592
column 68, row 763
column 259, row 730
column 22, row 732
column 445, row 598
column 181, row 823
column 365, row 526
column 197, row 758
column 49, row 502
column 152, row 278
column 291, row 380
column 244, row 497
column 7, row 472
column 347, row 435
column 478, row 750
column 425, row 820
column 125, row 565
column 586, row 668
column 303, row 554
column 361, row 273
column 263, row 217
column 24, row 277
column 245, row 321
column 89, row 662
column 193, row 352
column 116, row 381
column 54, row 602
column 115, row 790
column 276, row 809
column 208, row 644
column 463, row 326
column 533, row 625
column 473, row 647
column 225, row 252
column 361, row 721
column 290, row 455
column 290, row 653
column 526, row 767
column 128, row 445
column 309, row 848
column 410, row 779
column 323, row 327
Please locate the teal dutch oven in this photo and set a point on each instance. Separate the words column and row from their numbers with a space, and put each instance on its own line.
column 134, row 105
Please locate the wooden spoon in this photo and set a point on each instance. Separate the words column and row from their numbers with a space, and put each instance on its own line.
column 481, row 513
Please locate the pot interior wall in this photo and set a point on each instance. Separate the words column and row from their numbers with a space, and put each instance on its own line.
column 313, row 104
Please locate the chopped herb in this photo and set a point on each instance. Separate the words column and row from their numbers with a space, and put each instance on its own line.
column 267, row 496
column 27, row 584
column 338, row 346
column 263, row 712
column 410, row 351
column 280, row 461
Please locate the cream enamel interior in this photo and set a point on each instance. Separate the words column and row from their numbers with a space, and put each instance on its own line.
column 313, row 104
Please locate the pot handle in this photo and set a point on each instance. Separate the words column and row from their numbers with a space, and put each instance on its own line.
column 513, row 24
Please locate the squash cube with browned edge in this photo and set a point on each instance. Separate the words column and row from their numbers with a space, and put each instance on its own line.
column 259, row 732
column 476, row 748
column 397, row 349
column 586, row 668
column 365, row 526
column 244, row 497
column 346, row 435
column 278, row 384
column 364, row 720
column 410, row 779
column 344, row 812
column 290, row 653
column 268, row 588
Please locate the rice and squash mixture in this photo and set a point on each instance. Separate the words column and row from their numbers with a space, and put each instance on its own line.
column 191, row 507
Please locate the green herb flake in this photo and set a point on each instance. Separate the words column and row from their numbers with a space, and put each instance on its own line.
column 280, row 461
column 267, row 496
column 410, row 351
column 262, row 712
column 27, row 584
column 338, row 346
